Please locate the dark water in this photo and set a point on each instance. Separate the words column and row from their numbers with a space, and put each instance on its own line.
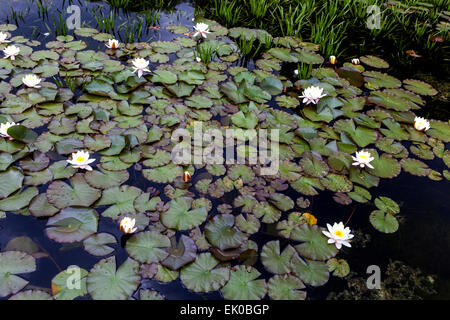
column 422, row 241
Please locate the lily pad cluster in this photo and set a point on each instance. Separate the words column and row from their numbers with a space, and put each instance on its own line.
column 200, row 232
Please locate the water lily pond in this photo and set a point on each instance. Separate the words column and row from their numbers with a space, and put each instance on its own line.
column 96, row 97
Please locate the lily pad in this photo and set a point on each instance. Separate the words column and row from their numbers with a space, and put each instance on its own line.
column 79, row 193
column 276, row 261
column 383, row 222
column 148, row 247
column 222, row 233
column 181, row 253
column 70, row 283
column 104, row 282
column 315, row 245
column 203, row 275
column 314, row 273
column 11, row 264
column 244, row 285
column 97, row 244
column 72, row 225
column 286, row 287
column 181, row 217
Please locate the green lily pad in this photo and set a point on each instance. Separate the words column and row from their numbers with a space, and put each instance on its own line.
column 383, row 222
column 203, row 275
column 150, row 295
column 11, row 264
column 181, row 217
column 244, row 285
column 387, row 205
column 97, row 244
column 22, row 133
column 374, row 62
column 18, row 200
column 78, row 193
column 31, row 295
column 339, row 267
column 314, row 273
column 286, row 287
column 120, row 199
column 14, row 178
column 104, row 282
column 274, row 260
column 148, row 247
column 419, row 87
column 314, row 244
column 181, row 253
column 72, row 225
column 70, row 283
column 222, row 233
column 385, row 167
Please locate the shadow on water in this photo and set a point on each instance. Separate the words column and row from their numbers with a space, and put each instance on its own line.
column 422, row 241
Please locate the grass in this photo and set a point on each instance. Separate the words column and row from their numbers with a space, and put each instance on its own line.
column 227, row 12
column 206, row 51
column 340, row 26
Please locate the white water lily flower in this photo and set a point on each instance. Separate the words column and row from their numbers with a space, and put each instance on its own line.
column 80, row 159
column 127, row 225
column 3, row 37
column 140, row 65
column 296, row 72
column 421, row 124
column 4, row 129
column 363, row 159
column 355, row 61
column 32, row 81
column 112, row 44
column 202, row 29
column 11, row 52
column 333, row 59
column 312, row 94
column 338, row 235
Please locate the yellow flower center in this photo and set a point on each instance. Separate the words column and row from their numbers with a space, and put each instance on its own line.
column 338, row 233
column 364, row 157
column 80, row 159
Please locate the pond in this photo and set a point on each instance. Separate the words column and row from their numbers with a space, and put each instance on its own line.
column 99, row 201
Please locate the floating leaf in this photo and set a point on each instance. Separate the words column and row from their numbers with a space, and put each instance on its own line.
column 419, row 87
column 14, row 179
column 105, row 283
column 315, row 245
column 148, row 246
column 275, row 261
column 181, row 253
column 387, row 205
column 244, row 285
column 11, row 264
column 70, row 283
column 181, row 217
column 222, row 233
column 311, row 272
column 203, row 276
column 97, row 244
column 72, row 225
column 286, row 287
column 78, row 193
column 383, row 222
column 339, row 267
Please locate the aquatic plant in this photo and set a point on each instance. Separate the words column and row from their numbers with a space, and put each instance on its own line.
column 184, row 229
